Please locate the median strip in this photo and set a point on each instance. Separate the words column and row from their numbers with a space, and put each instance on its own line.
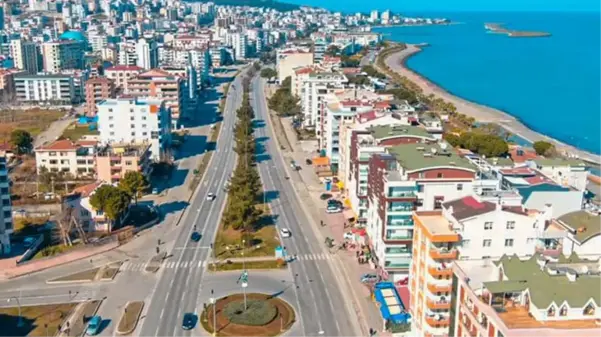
column 129, row 318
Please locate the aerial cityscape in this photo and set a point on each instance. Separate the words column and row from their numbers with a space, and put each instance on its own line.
column 260, row 168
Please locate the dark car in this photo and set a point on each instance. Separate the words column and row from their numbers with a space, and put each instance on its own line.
column 309, row 161
column 189, row 321
column 195, row 236
column 333, row 202
column 325, row 196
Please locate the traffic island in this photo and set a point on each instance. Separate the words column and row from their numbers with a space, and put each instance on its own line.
column 237, row 265
column 155, row 263
column 104, row 273
column 129, row 317
column 265, row 315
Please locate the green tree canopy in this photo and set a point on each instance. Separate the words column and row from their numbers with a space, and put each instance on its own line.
column 22, row 141
column 134, row 184
column 269, row 73
column 481, row 143
column 111, row 200
column 543, row 148
column 371, row 71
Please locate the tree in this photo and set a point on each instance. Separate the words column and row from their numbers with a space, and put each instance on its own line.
column 134, row 183
column 543, row 148
column 333, row 50
column 269, row 73
column 22, row 141
column 452, row 139
column 110, row 200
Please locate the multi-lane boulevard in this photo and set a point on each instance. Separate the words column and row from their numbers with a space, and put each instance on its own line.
column 177, row 291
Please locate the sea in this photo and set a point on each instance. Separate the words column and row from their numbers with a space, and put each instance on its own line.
column 551, row 84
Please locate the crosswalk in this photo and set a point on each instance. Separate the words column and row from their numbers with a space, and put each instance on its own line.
column 130, row 266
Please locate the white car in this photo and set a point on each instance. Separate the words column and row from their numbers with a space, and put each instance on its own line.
column 210, row 196
column 331, row 210
column 285, row 233
column 349, row 236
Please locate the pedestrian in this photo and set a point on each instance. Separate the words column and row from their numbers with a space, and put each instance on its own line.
column 159, row 242
column 158, row 250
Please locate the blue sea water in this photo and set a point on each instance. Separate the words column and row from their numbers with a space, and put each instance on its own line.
column 551, row 84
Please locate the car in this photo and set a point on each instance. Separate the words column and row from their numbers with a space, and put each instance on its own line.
column 93, row 326
column 349, row 236
column 309, row 161
column 195, row 236
column 29, row 241
column 155, row 191
column 335, row 203
column 211, row 196
column 325, row 196
column 368, row 278
column 332, row 210
column 189, row 321
column 285, row 233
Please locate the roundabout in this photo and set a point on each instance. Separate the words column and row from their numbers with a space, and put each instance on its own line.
column 265, row 315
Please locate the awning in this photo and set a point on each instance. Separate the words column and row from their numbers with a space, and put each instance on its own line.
column 359, row 231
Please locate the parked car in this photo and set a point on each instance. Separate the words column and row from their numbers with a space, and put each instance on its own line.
column 325, row 196
column 309, row 161
column 94, row 326
column 368, row 278
column 332, row 210
column 349, row 236
column 155, row 190
column 334, row 203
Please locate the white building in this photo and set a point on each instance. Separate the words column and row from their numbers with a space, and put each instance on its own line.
column 575, row 232
column 135, row 121
column 314, row 89
column 147, row 54
column 240, row 45
column 90, row 219
column 6, row 224
column 127, row 54
column 51, row 89
column 65, row 156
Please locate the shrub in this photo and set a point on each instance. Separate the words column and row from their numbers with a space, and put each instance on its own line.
column 257, row 313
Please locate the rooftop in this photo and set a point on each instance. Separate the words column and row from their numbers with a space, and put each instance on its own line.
column 131, row 100
column 124, row 68
column 583, row 224
column 541, row 161
column 392, row 131
column 85, row 190
column 437, row 226
column 468, row 207
column 414, row 157
column 59, row 145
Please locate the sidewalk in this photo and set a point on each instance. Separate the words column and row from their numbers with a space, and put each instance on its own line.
column 310, row 189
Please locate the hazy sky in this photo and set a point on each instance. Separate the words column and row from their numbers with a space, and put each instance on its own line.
column 455, row 5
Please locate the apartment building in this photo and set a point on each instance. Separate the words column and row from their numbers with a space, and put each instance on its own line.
column 289, row 59
column 532, row 296
column 98, row 89
column 404, row 178
column 575, row 232
column 61, row 55
column 6, row 223
column 147, row 54
column 121, row 74
column 136, row 120
column 66, row 156
column 162, row 85
column 26, row 55
column 565, row 172
column 315, row 87
column 45, row 89
column 434, row 250
column 113, row 162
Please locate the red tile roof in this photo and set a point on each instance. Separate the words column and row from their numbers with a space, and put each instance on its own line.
column 155, row 73
column 87, row 143
column 304, row 70
column 469, row 207
column 124, row 68
column 366, row 116
column 59, row 145
column 382, row 105
column 86, row 190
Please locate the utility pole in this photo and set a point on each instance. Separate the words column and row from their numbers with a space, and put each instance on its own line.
column 214, row 304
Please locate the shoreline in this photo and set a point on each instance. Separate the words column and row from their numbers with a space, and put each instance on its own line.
column 397, row 62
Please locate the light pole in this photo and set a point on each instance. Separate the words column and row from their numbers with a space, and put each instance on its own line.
column 214, row 304
column 20, row 321
column 281, row 323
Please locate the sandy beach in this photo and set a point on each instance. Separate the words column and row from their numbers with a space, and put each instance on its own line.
column 480, row 112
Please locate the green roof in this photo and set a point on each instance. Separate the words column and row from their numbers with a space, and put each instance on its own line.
column 558, row 162
column 387, row 131
column 585, row 224
column 499, row 161
column 544, row 288
column 420, row 156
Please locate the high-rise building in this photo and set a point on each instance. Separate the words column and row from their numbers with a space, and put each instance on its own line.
column 61, row 55
column 98, row 89
column 25, row 55
column 6, row 224
column 240, row 45
column 147, row 54
column 131, row 120
column 374, row 16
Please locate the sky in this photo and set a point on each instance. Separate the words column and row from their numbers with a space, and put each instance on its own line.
column 455, row 5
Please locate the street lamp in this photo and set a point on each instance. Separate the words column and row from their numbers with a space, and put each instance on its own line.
column 214, row 304
column 20, row 321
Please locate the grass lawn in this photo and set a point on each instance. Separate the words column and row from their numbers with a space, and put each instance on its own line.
column 266, row 239
column 75, row 132
column 129, row 317
column 54, row 250
column 29, row 225
column 273, row 264
column 34, row 121
column 34, row 318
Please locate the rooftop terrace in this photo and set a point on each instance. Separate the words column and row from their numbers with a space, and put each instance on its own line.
column 415, row 157
column 390, row 131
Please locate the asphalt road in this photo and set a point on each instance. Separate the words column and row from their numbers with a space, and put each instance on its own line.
column 178, row 289
column 323, row 306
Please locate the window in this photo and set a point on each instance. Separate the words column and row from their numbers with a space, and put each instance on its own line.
column 530, row 240
column 143, row 126
column 143, row 118
column 439, row 175
column 487, row 225
column 110, row 118
column 132, row 118
column 459, row 187
column 133, row 134
column 128, row 162
column 111, row 125
column 510, row 225
column 112, row 133
column 52, row 154
column 133, row 126
column 486, row 243
column 144, row 133
column 563, row 311
column 465, row 243
column 551, row 311
column 589, row 310
column 508, row 242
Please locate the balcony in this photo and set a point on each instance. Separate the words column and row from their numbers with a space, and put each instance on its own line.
column 437, row 322
column 440, row 272
column 400, row 223
column 443, row 253
column 435, row 289
column 401, row 194
column 438, row 305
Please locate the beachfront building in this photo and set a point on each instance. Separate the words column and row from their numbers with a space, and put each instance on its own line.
column 136, row 120
column 289, row 59
column 316, row 86
column 575, row 232
column 533, row 296
column 404, row 178
column 565, row 172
